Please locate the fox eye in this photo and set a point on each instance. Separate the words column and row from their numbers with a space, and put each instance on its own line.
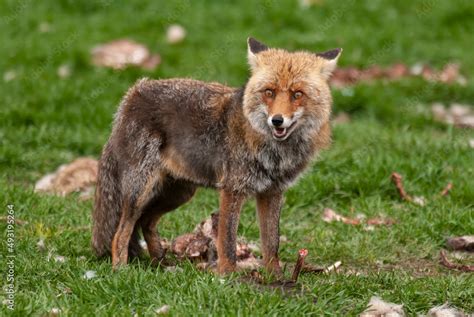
column 269, row 93
column 297, row 95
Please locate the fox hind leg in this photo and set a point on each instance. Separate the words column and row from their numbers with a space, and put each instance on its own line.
column 122, row 236
column 133, row 205
column 172, row 194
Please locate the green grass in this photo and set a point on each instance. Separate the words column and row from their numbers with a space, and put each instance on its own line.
column 47, row 121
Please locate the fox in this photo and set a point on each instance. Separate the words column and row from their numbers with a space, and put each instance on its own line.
column 172, row 136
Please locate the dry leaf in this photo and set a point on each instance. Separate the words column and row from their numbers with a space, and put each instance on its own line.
column 378, row 308
column 122, row 53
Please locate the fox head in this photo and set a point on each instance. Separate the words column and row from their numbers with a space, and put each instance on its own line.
column 288, row 92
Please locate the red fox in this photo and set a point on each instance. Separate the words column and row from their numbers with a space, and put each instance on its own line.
column 171, row 136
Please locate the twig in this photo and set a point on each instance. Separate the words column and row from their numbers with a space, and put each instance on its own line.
column 446, row 190
column 397, row 180
column 443, row 260
column 299, row 264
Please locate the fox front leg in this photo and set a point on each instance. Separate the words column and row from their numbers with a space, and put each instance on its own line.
column 268, row 209
column 229, row 214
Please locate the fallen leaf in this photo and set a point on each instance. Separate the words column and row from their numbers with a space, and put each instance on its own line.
column 378, row 307
column 122, row 53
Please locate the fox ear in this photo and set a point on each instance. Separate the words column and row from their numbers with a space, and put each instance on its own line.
column 254, row 47
column 329, row 61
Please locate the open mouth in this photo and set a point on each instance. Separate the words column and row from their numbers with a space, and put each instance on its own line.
column 282, row 133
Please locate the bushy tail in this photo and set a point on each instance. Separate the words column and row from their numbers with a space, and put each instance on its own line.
column 107, row 207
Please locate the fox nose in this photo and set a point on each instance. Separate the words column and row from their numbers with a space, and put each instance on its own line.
column 277, row 120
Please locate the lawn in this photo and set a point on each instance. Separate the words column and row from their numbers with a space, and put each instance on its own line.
column 47, row 121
